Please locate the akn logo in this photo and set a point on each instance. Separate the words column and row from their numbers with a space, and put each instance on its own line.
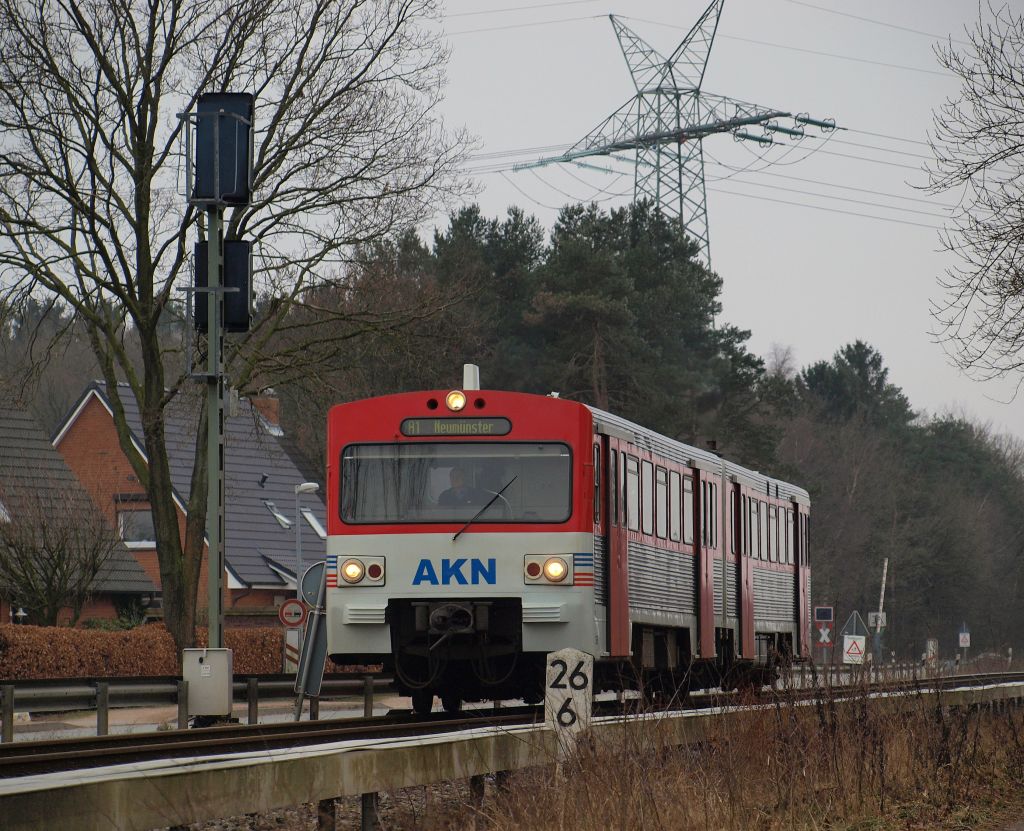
column 452, row 573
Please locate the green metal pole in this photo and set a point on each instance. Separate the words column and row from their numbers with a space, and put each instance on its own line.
column 215, row 431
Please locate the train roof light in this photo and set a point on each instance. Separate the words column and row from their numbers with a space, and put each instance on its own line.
column 455, row 400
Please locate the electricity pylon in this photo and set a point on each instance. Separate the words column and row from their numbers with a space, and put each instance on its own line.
column 666, row 122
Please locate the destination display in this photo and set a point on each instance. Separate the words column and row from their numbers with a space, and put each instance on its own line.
column 456, row 427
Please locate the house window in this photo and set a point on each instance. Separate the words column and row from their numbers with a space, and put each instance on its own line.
column 136, row 527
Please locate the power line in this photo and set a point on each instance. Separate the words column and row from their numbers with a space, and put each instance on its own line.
column 820, row 183
column 829, row 210
column 878, row 22
column 521, row 8
column 523, row 25
column 840, row 211
column 804, row 50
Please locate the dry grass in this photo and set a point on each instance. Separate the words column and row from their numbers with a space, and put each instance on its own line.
column 906, row 763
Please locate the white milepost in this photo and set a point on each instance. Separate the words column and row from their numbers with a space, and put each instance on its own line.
column 569, row 694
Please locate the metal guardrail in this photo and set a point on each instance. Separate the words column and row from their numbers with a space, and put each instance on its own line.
column 175, row 792
column 101, row 694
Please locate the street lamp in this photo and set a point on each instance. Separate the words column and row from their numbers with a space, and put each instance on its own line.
column 305, row 487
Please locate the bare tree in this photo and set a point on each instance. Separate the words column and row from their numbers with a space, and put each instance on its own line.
column 53, row 549
column 978, row 143
column 349, row 147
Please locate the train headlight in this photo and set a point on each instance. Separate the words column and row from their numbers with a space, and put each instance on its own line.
column 352, row 571
column 555, row 569
column 455, row 400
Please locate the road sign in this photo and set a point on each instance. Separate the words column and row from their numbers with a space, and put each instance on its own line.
column 292, row 613
column 568, row 694
column 823, row 614
column 876, row 620
column 824, row 634
column 309, row 585
column 854, row 647
column 965, row 640
column 854, row 625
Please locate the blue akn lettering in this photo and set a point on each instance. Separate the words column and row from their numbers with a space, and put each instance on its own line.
column 453, row 572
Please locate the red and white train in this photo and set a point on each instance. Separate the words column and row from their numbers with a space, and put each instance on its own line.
column 470, row 532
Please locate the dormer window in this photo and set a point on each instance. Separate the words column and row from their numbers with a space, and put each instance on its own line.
column 282, row 520
column 314, row 523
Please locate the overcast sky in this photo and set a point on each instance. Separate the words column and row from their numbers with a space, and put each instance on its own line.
column 800, row 269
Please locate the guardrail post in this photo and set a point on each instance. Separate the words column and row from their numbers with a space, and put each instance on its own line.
column 7, row 716
column 102, row 708
column 183, row 705
column 369, row 821
column 476, row 789
column 326, row 815
column 367, row 696
column 252, row 695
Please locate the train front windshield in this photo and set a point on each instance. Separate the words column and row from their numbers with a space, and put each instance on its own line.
column 449, row 482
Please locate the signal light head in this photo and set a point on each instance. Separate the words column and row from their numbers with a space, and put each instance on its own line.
column 352, row 571
column 555, row 569
column 455, row 400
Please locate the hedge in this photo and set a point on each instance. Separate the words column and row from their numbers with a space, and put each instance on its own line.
column 28, row 652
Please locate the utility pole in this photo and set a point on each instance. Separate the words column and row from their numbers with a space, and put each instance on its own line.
column 878, row 620
column 665, row 124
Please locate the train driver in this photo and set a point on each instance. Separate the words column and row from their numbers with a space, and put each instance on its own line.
column 460, row 493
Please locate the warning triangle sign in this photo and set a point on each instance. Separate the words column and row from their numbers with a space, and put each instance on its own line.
column 854, row 648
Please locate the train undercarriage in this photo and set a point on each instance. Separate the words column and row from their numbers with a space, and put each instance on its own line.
column 462, row 651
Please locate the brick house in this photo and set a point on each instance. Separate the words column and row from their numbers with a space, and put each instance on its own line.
column 36, row 484
column 260, row 480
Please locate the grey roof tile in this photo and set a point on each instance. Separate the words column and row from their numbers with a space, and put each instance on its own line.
column 251, row 450
column 31, row 467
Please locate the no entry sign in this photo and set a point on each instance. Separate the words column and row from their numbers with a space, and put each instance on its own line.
column 292, row 612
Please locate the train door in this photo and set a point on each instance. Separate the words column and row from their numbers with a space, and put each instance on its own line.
column 617, row 552
column 707, row 523
column 803, row 580
column 748, row 550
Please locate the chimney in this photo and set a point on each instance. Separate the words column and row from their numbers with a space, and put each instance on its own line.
column 268, row 406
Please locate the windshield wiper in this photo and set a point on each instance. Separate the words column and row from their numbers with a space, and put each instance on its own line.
column 479, row 513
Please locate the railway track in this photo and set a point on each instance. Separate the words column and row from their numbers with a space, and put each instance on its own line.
column 29, row 758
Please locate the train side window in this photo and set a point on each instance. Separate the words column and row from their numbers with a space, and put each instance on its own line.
column 703, row 513
column 632, row 493
column 732, row 521
column 673, row 506
column 807, row 539
column 762, row 525
column 597, row 484
column 688, row 510
column 613, row 489
column 622, row 488
column 661, row 502
column 773, row 534
column 783, row 537
column 713, row 513
column 647, row 497
column 752, row 529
